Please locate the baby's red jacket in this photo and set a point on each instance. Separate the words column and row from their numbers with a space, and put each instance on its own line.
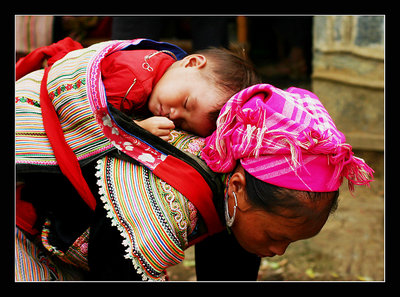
column 119, row 71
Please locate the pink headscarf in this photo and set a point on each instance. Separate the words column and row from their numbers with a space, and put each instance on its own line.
column 285, row 138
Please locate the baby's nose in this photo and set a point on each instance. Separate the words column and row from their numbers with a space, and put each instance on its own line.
column 174, row 114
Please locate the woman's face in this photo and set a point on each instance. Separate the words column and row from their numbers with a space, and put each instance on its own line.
column 266, row 234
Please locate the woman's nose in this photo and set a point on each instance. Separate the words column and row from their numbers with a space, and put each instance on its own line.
column 279, row 248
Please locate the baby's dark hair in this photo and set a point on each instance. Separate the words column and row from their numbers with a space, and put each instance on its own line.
column 273, row 199
column 231, row 72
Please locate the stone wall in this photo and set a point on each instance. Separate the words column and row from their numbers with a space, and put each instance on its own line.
column 348, row 76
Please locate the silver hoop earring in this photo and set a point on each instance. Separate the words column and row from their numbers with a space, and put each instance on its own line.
column 229, row 220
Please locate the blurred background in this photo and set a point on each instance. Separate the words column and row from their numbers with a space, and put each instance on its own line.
column 338, row 57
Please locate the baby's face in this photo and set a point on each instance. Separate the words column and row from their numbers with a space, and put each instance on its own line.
column 186, row 97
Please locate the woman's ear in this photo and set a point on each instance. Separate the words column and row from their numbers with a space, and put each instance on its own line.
column 237, row 184
column 195, row 60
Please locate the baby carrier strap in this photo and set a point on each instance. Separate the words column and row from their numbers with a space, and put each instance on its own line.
column 66, row 158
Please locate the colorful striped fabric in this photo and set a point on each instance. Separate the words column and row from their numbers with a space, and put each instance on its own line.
column 67, row 88
column 31, row 143
column 28, row 264
column 153, row 218
column 67, row 85
column 32, row 263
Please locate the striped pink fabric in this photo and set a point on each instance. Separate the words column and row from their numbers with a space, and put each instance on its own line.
column 285, row 138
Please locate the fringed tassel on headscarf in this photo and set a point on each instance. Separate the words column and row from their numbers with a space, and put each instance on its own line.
column 357, row 173
column 354, row 169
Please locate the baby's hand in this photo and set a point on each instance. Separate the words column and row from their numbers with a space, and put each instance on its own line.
column 159, row 126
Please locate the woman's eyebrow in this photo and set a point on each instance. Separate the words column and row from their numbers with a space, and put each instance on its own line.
column 277, row 237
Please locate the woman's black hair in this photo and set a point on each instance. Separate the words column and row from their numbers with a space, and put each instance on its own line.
column 273, row 199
